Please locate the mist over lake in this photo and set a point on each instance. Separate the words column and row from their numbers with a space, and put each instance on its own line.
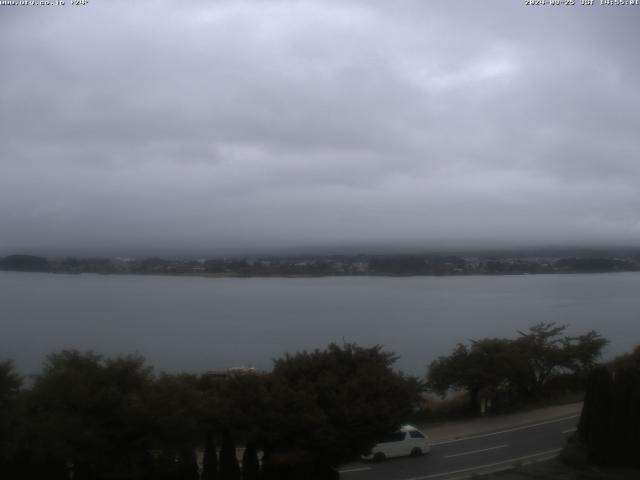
column 196, row 324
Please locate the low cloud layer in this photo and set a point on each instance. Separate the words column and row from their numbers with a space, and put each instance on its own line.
column 231, row 126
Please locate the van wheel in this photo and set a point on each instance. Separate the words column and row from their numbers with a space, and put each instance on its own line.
column 379, row 456
column 416, row 452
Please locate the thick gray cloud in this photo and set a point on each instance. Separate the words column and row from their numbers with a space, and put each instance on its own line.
column 222, row 126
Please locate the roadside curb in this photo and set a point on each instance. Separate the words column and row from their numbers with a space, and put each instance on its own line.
column 513, row 467
column 496, row 467
column 461, row 430
column 501, row 431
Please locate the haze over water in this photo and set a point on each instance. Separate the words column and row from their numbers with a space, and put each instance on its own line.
column 196, row 324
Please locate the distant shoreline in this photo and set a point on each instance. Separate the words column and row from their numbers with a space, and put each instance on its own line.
column 331, row 266
column 328, row 275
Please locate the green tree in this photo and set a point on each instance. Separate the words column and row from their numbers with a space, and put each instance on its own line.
column 543, row 349
column 187, row 465
column 24, row 263
column 583, row 352
column 486, row 367
column 328, row 407
column 210, row 458
column 594, row 427
column 250, row 463
column 239, row 404
column 176, row 405
column 92, row 413
column 548, row 353
column 229, row 468
column 10, row 384
column 609, row 427
column 515, row 368
column 625, row 415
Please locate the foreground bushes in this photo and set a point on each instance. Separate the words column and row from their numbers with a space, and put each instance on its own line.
column 609, row 428
column 92, row 418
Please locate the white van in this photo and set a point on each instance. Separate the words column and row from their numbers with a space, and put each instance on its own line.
column 406, row 441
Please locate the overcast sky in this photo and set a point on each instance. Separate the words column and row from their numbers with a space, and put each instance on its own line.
column 232, row 126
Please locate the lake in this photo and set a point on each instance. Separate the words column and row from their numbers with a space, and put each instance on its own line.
column 195, row 324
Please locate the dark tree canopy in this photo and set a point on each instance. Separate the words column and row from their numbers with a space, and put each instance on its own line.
column 330, row 406
column 250, row 463
column 97, row 418
column 210, row 458
column 229, row 467
column 515, row 368
column 10, row 382
column 24, row 263
column 92, row 411
column 484, row 367
column 609, row 428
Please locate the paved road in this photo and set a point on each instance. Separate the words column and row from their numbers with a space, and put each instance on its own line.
column 464, row 457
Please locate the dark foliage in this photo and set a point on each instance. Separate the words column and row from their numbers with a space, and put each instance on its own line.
column 10, row 383
column 210, row 458
column 187, row 465
column 594, row 427
column 609, row 427
column 400, row 265
column 512, row 267
column 250, row 463
column 511, row 370
column 96, row 418
column 229, row 468
column 594, row 265
column 24, row 263
column 328, row 407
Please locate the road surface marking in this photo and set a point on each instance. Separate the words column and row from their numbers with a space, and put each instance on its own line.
column 351, row 470
column 569, row 430
column 489, row 465
column 524, row 427
column 476, row 451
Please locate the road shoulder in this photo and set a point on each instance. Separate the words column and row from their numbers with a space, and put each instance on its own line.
column 556, row 470
column 459, row 429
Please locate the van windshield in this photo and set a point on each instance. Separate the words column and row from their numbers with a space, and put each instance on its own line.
column 394, row 437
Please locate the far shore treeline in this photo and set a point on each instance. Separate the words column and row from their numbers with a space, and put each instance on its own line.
column 495, row 263
column 90, row 417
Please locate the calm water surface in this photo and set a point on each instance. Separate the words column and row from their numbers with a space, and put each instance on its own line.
column 195, row 324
